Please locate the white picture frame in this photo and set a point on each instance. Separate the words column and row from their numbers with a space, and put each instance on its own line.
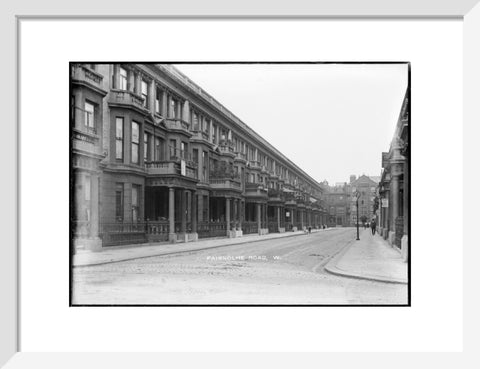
column 13, row 13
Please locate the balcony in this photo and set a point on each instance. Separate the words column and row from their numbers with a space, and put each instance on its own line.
column 88, row 77
column 225, row 184
column 290, row 199
column 255, row 190
column 255, row 165
column 85, row 139
column 202, row 136
column 240, row 156
column 178, row 125
column 276, row 195
column 169, row 168
column 127, row 99
column 226, row 147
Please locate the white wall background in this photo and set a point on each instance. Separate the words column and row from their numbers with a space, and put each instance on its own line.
column 433, row 323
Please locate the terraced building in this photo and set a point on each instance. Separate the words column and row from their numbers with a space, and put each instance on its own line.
column 154, row 158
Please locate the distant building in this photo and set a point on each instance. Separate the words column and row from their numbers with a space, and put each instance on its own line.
column 394, row 184
column 337, row 203
column 367, row 187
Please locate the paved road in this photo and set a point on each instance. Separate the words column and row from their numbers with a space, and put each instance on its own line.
column 281, row 271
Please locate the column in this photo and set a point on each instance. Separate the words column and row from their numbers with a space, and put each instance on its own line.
column 235, row 212
column 210, row 131
column 227, row 214
column 259, row 217
column 151, row 98
column 186, row 112
column 301, row 218
column 241, row 214
column 94, row 206
column 278, row 217
column 171, row 209
column 164, row 103
column 394, row 189
column 116, row 75
column 194, row 212
column 183, row 210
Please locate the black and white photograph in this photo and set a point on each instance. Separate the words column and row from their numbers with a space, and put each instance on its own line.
column 240, row 184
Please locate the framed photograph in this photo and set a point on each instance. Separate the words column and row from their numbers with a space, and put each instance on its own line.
column 240, row 182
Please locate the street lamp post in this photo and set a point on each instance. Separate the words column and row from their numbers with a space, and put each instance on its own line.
column 357, row 196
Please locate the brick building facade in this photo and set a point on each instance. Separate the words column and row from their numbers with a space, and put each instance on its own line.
column 155, row 158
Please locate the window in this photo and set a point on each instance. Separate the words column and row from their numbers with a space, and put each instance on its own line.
column 146, row 147
column 173, row 149
column 158, row 101
column 158, row 149
column 174, row 109
column 145, row 93
column 183, row 150
column 205, row 164
column 123, row 79
column 195, row 156
column 119, row 202
column 135, row 203
column 119, row 139
column 195, row 121
column 89, row 116
column 135, row 141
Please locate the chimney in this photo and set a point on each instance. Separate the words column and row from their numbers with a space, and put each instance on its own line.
column 353, row 177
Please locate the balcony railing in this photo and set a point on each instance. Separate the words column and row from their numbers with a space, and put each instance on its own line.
column 200, row 135
column 83, row 74
column 240, row 156
column 127, row 98
column 253, row 164
column 169, row 168
column 211, row 229
column 224, row 183
column 177, row 125
column 250, row 227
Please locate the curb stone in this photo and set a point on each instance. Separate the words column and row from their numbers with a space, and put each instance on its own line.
column 332, row 268
column 133, row 257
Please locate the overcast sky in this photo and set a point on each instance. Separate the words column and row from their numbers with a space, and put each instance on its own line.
column 332, row 120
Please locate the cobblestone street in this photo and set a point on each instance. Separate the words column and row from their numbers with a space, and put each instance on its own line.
column 278, row 271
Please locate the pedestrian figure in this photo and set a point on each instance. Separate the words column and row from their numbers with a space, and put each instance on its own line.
column 373, row 225
column 309, row 229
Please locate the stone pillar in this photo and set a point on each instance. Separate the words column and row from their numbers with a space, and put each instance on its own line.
column 241, row 214
column 235, row 212
column 227, row 215
column 210, row 132
column 183, row 210
column 194, row 212
column 278, row 218
column 259, row 217
column 395, row 191
column 94, row 218
column 164, row 106
column 151, row 98
column 116, row 76
column 301, row 219
column 186, row 112
column 171, row 214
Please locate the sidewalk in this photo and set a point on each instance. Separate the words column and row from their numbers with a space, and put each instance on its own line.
column 117, row 254
column 370, row 258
